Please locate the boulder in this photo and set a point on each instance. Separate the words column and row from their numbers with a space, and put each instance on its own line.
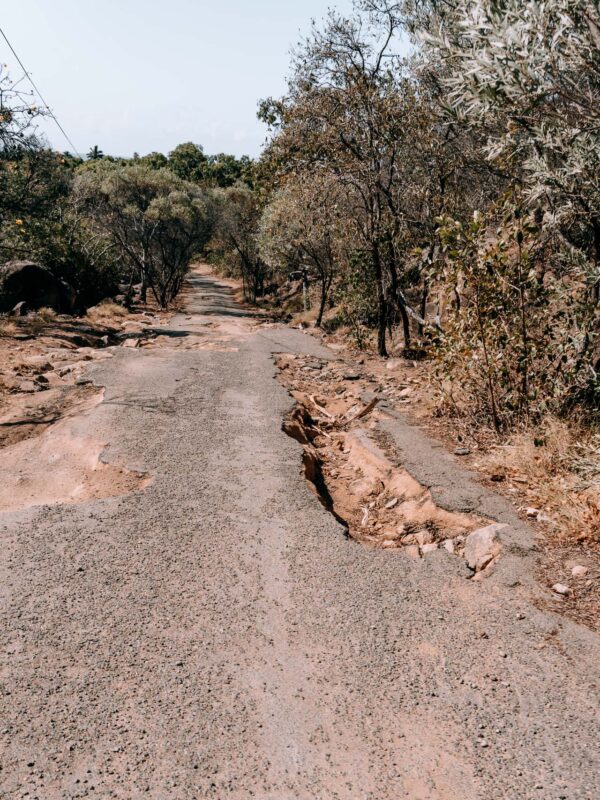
column 482, row 546
column 25, row 282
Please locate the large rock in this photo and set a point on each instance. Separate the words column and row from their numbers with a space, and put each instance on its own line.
column 482, row 546
column 32, row 284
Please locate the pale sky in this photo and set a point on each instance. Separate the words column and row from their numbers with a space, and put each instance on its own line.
column 144, row 75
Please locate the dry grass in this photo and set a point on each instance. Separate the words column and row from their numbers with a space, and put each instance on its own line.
column 7, row 327
column 557, row 467
column 106, row 312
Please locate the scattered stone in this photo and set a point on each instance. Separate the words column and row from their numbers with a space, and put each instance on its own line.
column 392, row 536
column 560, row 588
column 412, row 550
column 482, row 546
column 429, row 548
column 405, row 393
column 51, row 378
column 449, row 545
column 462, row 451
column 579, row 571
column 392, row 504
column 388, row 545
column 532, row 512
column 424, row 537
column 40, row 363
column 351, row 376
column 28, row 386
column 131, row 343
column 393, row 363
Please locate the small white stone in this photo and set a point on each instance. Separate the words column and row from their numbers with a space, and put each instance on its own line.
column 429, row 548
column 561, row 589
column 448, row 545
column 579, row 571
column 392, row 504
column 482, row 546
column 533, row 512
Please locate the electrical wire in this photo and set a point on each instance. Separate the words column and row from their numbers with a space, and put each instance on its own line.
column 39, row 94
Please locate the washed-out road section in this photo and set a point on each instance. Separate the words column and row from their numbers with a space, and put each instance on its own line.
column 216, row 635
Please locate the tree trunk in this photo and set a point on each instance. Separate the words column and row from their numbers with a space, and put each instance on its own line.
column 324, row 292
column 405, row 323
column 305, row 298
column 381, row 303
column 424, row 298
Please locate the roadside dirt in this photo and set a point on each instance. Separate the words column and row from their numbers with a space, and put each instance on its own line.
column 43, row 392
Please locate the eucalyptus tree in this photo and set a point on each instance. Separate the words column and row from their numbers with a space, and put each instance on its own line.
column 188, row 162
column 535, row 68
column 345, row 112
column 156, row 221
column 236, row 235
column 304, row 227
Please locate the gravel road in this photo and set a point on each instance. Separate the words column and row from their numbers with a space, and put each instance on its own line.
column 215, row 634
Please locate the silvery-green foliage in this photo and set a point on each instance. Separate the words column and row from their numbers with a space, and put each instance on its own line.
column 529, row 73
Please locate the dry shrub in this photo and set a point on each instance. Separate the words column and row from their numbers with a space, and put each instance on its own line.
column 560, row 462
column 106, row 311
column 37, row 321
column 7, row 327
column 46, row 315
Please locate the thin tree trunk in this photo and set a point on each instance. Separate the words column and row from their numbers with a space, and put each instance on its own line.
column 424, row 299
column 381, row 303
column 324, row 292
column 405, row 323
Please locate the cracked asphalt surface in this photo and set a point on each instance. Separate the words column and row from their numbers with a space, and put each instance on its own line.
column 215, row 635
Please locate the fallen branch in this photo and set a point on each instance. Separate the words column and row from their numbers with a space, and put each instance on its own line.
column 321, row 409
column 363, row 412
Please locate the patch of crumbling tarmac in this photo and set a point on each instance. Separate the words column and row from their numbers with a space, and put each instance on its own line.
column 378, row 502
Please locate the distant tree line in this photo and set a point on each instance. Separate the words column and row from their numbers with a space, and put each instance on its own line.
column 105, row 224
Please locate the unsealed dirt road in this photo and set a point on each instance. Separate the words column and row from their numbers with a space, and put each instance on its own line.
column 214, row 634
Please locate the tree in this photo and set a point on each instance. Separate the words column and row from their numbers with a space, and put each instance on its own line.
column 238, row 218
column 302, row 228
column 526, row 76
column 154, row 161
column 188, row 162
column 535, row 69
column 156, row 221
column 17, row 115
column 347, row 111
column 95, row 154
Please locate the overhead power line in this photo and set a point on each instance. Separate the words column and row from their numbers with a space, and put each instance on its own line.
column 39, row 94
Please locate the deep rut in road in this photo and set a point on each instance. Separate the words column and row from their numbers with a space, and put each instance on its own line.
column 377, row 501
